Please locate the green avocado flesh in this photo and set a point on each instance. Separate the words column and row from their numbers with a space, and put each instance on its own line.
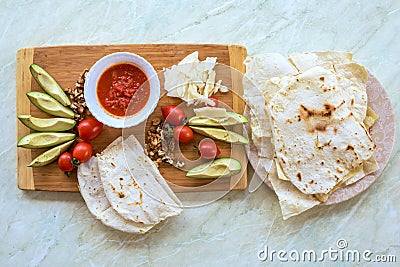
column 223, row 167
column 44, row 139
column 47, row 104
column 221, row 134
column 49, row 84
column 50, row 155
column 47, row 125
column 232, row 119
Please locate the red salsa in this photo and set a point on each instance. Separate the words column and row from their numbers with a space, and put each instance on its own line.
column 121, row 89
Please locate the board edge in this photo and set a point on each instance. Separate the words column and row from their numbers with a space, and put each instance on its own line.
column 237, row 55
column 25, row 179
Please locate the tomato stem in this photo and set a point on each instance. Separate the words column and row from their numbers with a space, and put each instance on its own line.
column 75, row 162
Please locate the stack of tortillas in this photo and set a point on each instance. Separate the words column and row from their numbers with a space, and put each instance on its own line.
column 130, row 197
column 309, row 122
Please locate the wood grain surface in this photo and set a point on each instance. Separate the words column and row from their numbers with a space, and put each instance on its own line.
column 65, row 63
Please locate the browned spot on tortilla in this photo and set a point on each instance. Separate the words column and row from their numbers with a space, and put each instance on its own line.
column 335, row 147
column 121, row 195
column 320, row 127
column 121, row 179
column 299, row 176
column 289, row 121
column 322, row 78
column 299, row 161
column 283, row 161
column 311, row 181
column 112, row 164
column 336, row 178
column 339, row 170
column 335, row 130
column 325, row 89
column 309, row 114
column 352, row 101
column 338, row 161
column 322, row 163
column 349, row 147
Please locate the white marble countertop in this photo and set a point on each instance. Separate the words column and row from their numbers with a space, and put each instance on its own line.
column 56, row 229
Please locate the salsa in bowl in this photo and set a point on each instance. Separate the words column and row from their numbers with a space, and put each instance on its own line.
column 122, row 89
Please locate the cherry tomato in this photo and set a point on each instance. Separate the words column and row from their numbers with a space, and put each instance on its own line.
column 208, row 150
column 173, row 114
column 89, row 129
column 183, row 134
column 213, row 99
column 65, row 162
column 82, row 152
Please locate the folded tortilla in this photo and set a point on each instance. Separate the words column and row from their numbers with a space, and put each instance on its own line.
column 291, row 199
column 307, row 60
column 256, row 82
column 93, row 193
column 134, row 186
column 317, row 137
column 270, row 73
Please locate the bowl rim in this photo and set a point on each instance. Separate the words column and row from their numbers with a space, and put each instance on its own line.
column 90, row 89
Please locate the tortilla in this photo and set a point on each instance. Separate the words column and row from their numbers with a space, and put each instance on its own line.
column 256, row 82
column 308, row 60
column 269, row 74
column 136, row 191
column 291, row 200
column 317, row 138
column 93, row 193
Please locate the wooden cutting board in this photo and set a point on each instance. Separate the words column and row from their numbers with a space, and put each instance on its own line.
column 65, row 63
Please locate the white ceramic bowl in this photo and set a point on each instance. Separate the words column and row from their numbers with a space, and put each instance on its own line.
column 93, row 103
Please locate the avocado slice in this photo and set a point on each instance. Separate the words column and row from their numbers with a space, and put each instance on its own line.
column 50, row 155
column 223, row 167
column 46, row 103
column 49, row 84
column 221, row 134
column 47, row 125
column 44, row 139
column 231, row 119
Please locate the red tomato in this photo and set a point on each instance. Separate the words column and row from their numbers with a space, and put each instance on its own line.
column 82, row 152
column 208, row 150
column 89, row 129
column 214, row 99
column 65, row 162
column 173, row 114
column 183, row 134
